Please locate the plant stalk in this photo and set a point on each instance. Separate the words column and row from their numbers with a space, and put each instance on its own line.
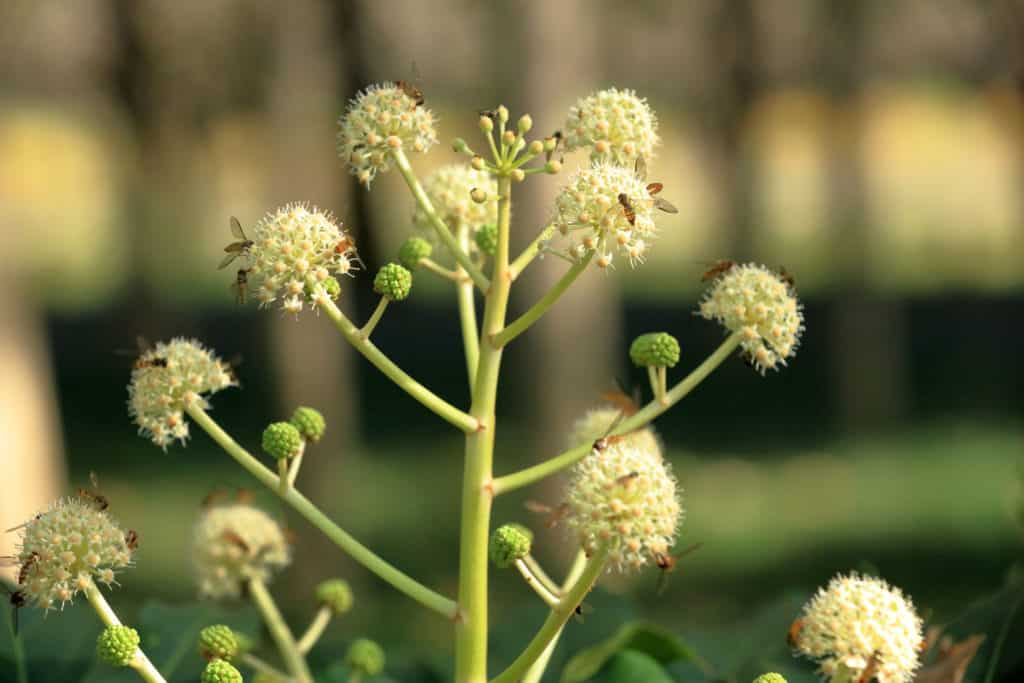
column 467, row 313
column 279, row 631
column 141, row 663
column 536, row 670
column 366, row 330
column 315, row 630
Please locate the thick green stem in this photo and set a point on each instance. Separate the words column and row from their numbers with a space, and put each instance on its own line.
column 359, row 552
column 402, row 162
column 536, row 670
column 279, row 631
column 315, row 630
column 530, row 252
column 525, row 477
column 471, row 627
column 429, row 399
column 141, row 662
column 523, row 322
column 556, row 620
column 366, row 330
column 467, row 314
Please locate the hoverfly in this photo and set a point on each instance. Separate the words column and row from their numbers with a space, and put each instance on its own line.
column 236, row 249
column 241, row 284
column 554, row 514
column 94, row 496
column 131, row 539
column 652, row 188
column 786, row 277
column 720, row 267
column 27, row 567
column 142, row 348
column 627, row 208
column 667, row 564
column 235, row 539
column 411, row 88
column 793, row 634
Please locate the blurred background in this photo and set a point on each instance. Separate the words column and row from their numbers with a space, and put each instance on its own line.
column 875, row 149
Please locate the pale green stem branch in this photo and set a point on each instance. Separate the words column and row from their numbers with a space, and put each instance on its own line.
column 141, row 662
column 429, row 399
column 254, row 662
column 314, row 516
column 279, row 631
column 534, row 673
column 652, row 375
column 556, row 620
column 510, row 482
column 542, row 575
column 402, row 162
column 529, row 253
column 494, row 148
column 549, row 598
column 316, row 629
column 662, row 383
column 436, row 268
column 523, row 322
column 467, row 314
column 293, row 468
column 366, row 330
column 282, row 477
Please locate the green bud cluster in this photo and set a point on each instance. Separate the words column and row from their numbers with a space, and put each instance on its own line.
column 282, row 440
column 218, row 642
column 413, row 250
column 655, row 349
column 509, row 543
column 486, row 238
column 220, row 671
column 770, row 678
column 365, row 656
column 309, row 422
column 336, row 594
column 393, row 281
column 117, row 645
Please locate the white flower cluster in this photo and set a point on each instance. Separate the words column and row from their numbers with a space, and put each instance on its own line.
column 65, row 548
column 449, row 190
column 164, row 379
column 615, row 125
column 858, row 621
column 762, row 306
column 232, row 543
column 380, row 119
column 606, row 208
column 624, row 498
column 294, row 244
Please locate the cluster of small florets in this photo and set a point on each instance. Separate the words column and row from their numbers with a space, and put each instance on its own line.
column 615, row 125
column 599, row 422
column 68, row 547
column 449, row 189
column 624, row 498
column 117, row 645
column 858, row 622
column 295, row 251
column 165, row 379
column 509, row 542
column 603, row 209
column 233, row 543
column 762, row 306
column 380, row 119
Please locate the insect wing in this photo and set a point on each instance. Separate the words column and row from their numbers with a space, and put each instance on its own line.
column 236, row 230
column 665, row 205
column 641, row 168
column 226, row 261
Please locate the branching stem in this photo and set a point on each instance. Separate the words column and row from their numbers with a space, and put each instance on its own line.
column 279, row 631
column 366, row 330
column 549, row 598
column 315, row 629
column 141, row 662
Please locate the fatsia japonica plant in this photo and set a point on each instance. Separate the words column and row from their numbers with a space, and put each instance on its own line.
column 622, row 507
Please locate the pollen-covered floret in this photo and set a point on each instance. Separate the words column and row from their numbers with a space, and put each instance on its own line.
column 66, row 548
column 449, row 189
column 599, row 422
column 378, row 120
column 164, row 380
column 625, row 499
column 606, row 209
column 232, row 543
column 857, row 619
column 762, row 306
column 117, row 645
column 614, row 125
column 295, row 248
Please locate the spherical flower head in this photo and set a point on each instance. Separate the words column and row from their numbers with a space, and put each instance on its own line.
column 220, row 671
column 217, row 642
column 297, row 247
column 336, row 594
column 486, row 239
column 413, row 250
column 510, row 542
column 165, row 379
column 856, row 619
column 770, row 678
column 606, row 209
column 393, row 281
column 614, row 125
column 365, row 656
column 449, row 189
column 281, row 440
column 655, row 349
column 310, row 423
column 117, row 645
column 597, row 423
column 625, row 499
column 233, row 542
column 761, row 305
column 68, row 547
column 380, row 119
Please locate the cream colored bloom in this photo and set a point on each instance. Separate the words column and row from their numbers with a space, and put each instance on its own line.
column 614, row 125
column 232, row 543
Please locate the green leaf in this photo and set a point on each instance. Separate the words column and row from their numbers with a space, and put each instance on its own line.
column 632, row 666
column 652, row 641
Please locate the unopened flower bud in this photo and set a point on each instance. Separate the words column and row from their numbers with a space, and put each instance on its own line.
column 508, row 138
column 518, row 175
column 486, row 238
column 117, row 645
column 281, row 440
column 770, row 678
column 393, row 281
column 478, row 163
column 336, row 594
column 552, row 167
column 525, row 123
column 550, row 143
column 502, row 113
column 459, row 146
column 365, row 656
column 477, row 195
column 536, row 147
column 486, row 124
column 220, row 671
column 656, row 349
column 509, row 543
column 310, row 423
column 217, row 642
column 413, row 250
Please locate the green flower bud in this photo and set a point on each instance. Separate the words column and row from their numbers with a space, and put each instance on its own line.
column 536, row 147
column 309, row 422
column 412, row 250
column 486, row 238
column 217, row 642
column 332, row 287
column 459, row 146
column 478, row 163
column 486, row 124
column 336, row 594
column 508, row 137
column 365, row 656
column 393, row 281
column 552, row 167
column 770, row 678
column 220, row 671
column 282, row 440
column 655, row 349
column 518, row 175
column 509, row 543
column 525, row 123
column 117, row 645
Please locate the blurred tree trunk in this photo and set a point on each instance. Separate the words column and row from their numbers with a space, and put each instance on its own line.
column 868, row 331
column 312, row 365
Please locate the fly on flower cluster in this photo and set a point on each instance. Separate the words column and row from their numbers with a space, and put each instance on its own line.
column 239, row 248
